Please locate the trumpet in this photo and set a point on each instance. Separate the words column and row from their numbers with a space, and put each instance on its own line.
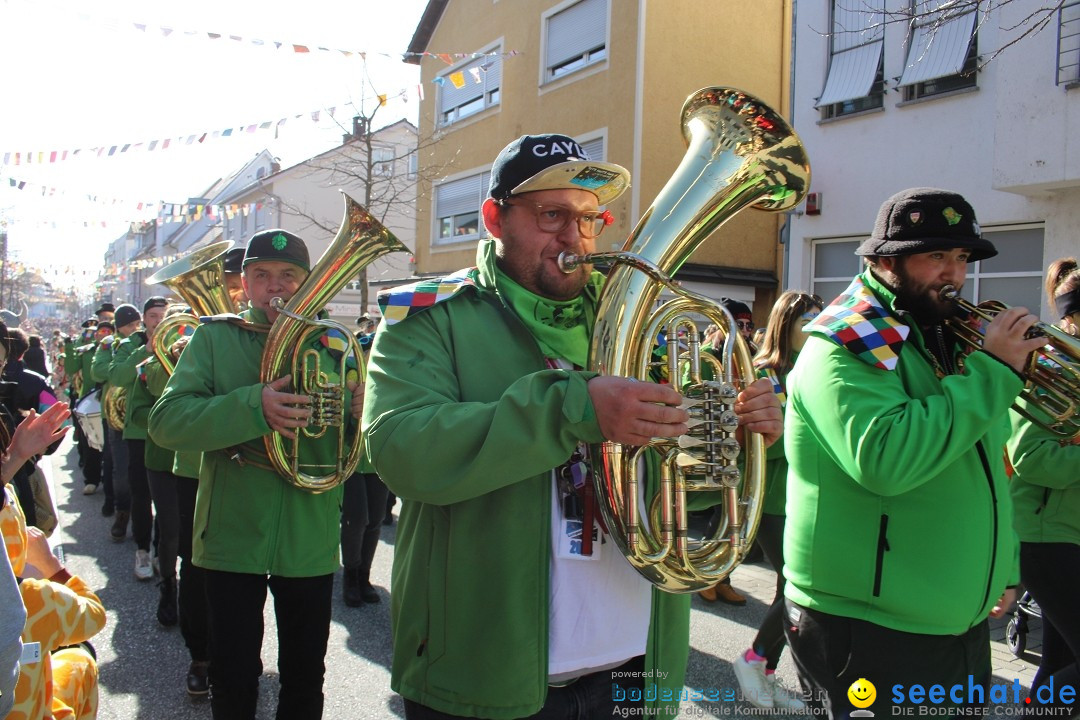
column 1051, row 374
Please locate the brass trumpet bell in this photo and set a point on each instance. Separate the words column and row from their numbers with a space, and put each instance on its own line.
column 1051, row 375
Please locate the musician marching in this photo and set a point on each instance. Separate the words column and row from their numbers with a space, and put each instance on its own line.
column 253, row 529
column 898, row 541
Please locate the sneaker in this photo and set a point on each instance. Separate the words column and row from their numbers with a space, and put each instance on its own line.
column 198, row 681
column 753, row 682
column 89, row 489
column 781, row 698
column 143, row 569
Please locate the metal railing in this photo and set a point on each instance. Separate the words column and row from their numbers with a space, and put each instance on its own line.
column 1068, row 70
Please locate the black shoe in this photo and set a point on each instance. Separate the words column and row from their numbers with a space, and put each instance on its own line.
column 351, row 589
column 166, row 609
column 119, row 528
column 369, row 593
column 198, row 680
column 107, row 510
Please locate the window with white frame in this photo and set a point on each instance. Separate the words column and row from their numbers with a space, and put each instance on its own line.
column 575, row 37
column 470, row 88
column 1013, row 276
column 943, row 53
column 856, row 78
column 457, row 209
column 382, row 162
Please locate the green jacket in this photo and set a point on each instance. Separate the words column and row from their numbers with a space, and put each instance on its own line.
column 102, row 360
column 182, row 464
column 247, row 518
column 1046, row 484
column 898, row 509
column 776, row 466
column 85, row 366
column 464, row 424
column 123, row 372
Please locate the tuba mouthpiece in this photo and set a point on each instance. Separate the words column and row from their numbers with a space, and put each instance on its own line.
column 948, row 292
column 568, row 261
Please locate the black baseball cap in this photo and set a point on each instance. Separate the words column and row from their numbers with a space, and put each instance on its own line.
column 553, row 162
column 234, row 260
column 105, row 307
column 920, row 220
column 277, row 244
column 153, row 302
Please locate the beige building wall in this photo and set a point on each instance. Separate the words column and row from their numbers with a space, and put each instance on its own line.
column 659, row 52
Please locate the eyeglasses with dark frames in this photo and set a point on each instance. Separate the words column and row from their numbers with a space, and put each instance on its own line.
column 556, row 218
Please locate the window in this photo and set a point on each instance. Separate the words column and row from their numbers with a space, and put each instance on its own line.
column 467, row 90
column 1013, row 276
column 413, row 164
column 1069, row 43
column 575, row 37
column 856, row 79
column 382, row 162
column 944, row 52
column 457, row 209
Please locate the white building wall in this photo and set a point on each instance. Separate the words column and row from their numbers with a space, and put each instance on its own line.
column 1005, row 146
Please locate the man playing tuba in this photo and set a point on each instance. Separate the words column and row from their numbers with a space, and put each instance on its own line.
column 475, row 417
column 253, row 529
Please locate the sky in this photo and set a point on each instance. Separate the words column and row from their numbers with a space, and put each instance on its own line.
column 83, row 75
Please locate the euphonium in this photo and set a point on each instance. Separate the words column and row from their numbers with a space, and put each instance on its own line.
column 360, row 240
column 198, row 278
column 114, row 407
column 740, row 153
column 1052, row 374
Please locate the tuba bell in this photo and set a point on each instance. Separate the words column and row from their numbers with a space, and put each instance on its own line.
column 198, row 278
column 740, row 154
column 114, row 407
column 360, row 240
column 1051, row 376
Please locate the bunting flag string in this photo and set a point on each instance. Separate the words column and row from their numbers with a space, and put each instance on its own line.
column 45, row 157
column 48, row 191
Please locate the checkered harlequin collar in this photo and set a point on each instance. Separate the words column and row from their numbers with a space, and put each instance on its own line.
column 857, row 321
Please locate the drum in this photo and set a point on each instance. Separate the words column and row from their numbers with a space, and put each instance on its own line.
column 88, row 413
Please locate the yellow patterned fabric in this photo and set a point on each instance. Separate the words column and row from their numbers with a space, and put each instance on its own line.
column 60, row 685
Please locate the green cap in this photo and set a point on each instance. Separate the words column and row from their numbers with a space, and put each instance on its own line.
column 280, row 245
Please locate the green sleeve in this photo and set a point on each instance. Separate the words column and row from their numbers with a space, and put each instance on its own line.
column 156, row 377
column 190, row 415
column 1037, row 456
column 70, row 359
column 129, row 353
column 99, row 365
column 883, row 438
column 429, row 444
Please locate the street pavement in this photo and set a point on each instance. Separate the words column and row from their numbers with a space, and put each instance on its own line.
column 142, row 666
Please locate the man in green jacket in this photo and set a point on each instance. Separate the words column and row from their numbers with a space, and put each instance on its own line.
column 253, row 529
column 899, row 538
column 128, row 320
column 476, row 395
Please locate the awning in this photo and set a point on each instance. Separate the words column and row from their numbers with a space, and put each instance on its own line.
column 938, row 50
column 851, row 73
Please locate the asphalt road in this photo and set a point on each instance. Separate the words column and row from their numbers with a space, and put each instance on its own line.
column 142, row 666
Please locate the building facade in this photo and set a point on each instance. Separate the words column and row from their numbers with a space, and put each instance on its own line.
column 613, row 74
column 978, row 103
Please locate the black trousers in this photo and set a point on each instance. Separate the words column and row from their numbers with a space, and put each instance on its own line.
column 1051, row 572
column 769, row 641
column 302, row 610
column 194, row 610
column 138, row 487
column 363, row 508
column 596, row 695
column 832, row 652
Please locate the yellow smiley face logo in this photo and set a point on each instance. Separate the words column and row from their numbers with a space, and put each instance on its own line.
column 862, row 693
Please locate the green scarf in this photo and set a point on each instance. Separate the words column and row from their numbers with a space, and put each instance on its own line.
column 560, row 328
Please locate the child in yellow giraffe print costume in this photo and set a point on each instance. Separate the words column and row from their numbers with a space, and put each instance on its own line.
column 60, row 611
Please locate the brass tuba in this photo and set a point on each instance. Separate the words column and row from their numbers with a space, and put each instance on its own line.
column 198, row 278
column 1052, row 374
column 740, row 153
column 360, row 240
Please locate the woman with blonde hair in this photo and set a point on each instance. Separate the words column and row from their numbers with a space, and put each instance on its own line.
column 1045, row 489
column 756, row 667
